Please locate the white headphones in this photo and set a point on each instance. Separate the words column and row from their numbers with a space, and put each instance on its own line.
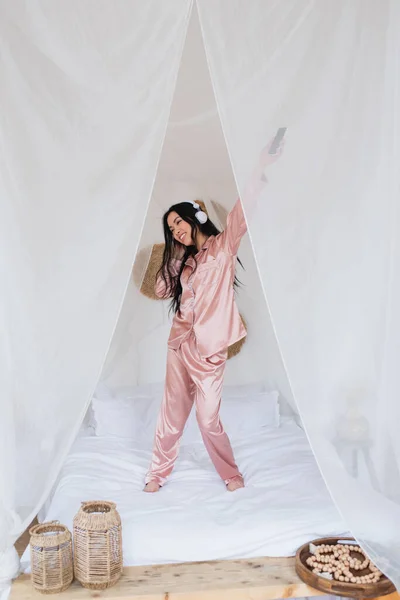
column 200, row 214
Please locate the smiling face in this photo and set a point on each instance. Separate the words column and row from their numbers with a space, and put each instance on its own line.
column 180, row 229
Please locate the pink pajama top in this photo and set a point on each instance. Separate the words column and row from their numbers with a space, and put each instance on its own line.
column 208, row 306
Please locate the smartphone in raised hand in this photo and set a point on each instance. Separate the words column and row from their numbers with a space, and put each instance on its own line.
column 276, row 142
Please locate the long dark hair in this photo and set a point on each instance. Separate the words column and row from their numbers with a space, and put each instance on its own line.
column 174, row 249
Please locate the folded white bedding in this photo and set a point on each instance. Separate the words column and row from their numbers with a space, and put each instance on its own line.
column 285, row 502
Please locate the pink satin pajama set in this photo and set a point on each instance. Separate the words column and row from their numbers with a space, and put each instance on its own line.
column 207, row 322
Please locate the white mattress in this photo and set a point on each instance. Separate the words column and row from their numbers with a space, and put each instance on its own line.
column 194, row 518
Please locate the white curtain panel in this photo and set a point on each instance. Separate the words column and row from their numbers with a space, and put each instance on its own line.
column 326, row 230
column 86, row 89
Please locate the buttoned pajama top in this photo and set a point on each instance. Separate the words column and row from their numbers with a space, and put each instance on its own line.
column 208, row 306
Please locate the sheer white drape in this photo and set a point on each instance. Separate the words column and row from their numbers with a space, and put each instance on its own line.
column 326, row 231
column 85, row 95
column 84, row 100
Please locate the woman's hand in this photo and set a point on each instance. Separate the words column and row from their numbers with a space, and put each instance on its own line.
column 266, row 159
column 258, row 179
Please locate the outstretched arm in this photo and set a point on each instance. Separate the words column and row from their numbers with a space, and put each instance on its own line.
column 236, row 225
column 235, row 229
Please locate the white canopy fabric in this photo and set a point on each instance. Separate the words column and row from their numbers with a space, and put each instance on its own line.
column 86, row 91
column 325, row 233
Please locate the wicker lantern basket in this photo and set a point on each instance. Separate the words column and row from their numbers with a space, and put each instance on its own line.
column 51, row 557
column 97, row 545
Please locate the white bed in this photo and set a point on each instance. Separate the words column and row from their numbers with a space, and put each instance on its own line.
column 194, row 518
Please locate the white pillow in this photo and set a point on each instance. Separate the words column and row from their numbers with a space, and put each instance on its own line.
column 125, row 414
column 249, row 415
column 239, row 391
column 242, row 417
column 148, row 390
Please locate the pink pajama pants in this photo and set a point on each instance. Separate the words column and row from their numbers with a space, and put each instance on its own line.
column 192, row 379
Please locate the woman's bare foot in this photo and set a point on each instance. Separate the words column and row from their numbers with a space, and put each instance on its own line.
column 235, row 484
column 152, row 487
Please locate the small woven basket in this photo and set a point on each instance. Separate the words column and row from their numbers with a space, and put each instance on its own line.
column 51, row 557
column 97, row 545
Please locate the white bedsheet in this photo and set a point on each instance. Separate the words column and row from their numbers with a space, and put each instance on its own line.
column 284, row 504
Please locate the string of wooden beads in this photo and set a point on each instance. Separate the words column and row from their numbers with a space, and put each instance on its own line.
column 336, row 562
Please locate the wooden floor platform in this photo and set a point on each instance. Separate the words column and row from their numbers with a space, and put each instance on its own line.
column 246, row 579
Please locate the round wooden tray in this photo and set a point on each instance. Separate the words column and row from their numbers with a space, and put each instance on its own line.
column 339, row 588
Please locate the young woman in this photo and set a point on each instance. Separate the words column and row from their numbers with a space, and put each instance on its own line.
column 198, row 274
